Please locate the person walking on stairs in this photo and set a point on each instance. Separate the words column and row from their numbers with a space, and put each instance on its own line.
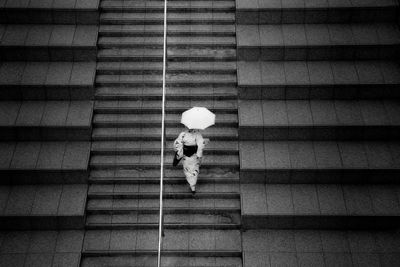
column 189, row 147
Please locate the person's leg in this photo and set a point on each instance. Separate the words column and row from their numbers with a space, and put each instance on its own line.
column 191, row 171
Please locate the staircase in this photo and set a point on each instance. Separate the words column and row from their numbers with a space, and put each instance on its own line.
column 318, row 127
column 123, row 198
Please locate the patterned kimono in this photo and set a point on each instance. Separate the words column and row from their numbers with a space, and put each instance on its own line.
column 191, row 165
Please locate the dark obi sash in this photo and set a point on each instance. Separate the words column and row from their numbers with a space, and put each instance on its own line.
column 188, row 151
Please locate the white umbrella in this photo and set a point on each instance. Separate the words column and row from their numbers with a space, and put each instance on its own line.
column 198, row 118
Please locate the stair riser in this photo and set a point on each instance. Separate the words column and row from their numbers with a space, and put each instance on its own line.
column 166, row 226
column 304, row 92
column 34, row 176
column 110, row 166
column 321, row 176
column 153, row 138
column 157, row 110
column 311, row 52
column 155, row 124
column 182, row 211
column 169, row 71
column 47, row 53
column 159, row 58
column 160, row 9
column 169, row 97
column 213, row 253
column 331, row 222
column 101, row 58
column 170, row 33
column 155, row 152
column 41, row 222
column 174, row 84
column 159, row 45
column 323, row 133
column 44, row 133
column 182, row 196
column 30, row 15
column 177, row 181
column 160, row 22
column 151, row 261
column 317, row 15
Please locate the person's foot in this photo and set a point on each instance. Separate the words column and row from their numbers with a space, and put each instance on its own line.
column 193, row 189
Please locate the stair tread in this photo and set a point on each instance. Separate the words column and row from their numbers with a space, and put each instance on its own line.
column 298, row 35
column 103, row 161
column 172, row 41
column 150, row 118
column 182, row 29
column 153, row 204
column 320, row 73
column 324, row 155
column 172, row 66
column 170, row 78
column 326, row 5
column 155, row 146
column 171, row 92
column 184, row 53
column 322, row 113
column 168, row 188
column 167, row 261
column 111, row 106
column 154, row 133
column 229, row 16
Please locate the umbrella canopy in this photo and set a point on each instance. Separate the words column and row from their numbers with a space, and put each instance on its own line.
column 198, row 118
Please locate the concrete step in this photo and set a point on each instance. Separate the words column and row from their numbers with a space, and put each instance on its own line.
column 208, row 93
column 173, row 41
column 320, row 206
column 124, row 68
column 44, row 162
column 180, row 201
column 221, row 183
column 203, row 243
column 33, row 207
column 180, row 79
column 33, row 42
column 51, row 247
column 173, row 18
column 319, row 162
column 218, row 176
column 319, row 120
column 172, row 30
column 47, row 80
column 174, row 6
column 315, row 12
column 153, row 161
column 154, row 147
column 154, row 106
column 318, row 80
column 45, row 120
column 154, row 133
column 137, row 54
column 79, row 12
column 320, row 247
column 167, row 261
column 180, row 218
column 174, row 54
column 126, row 207
column 147, row 189
column 134, row 220
column 318, row 41
column 132, row 120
